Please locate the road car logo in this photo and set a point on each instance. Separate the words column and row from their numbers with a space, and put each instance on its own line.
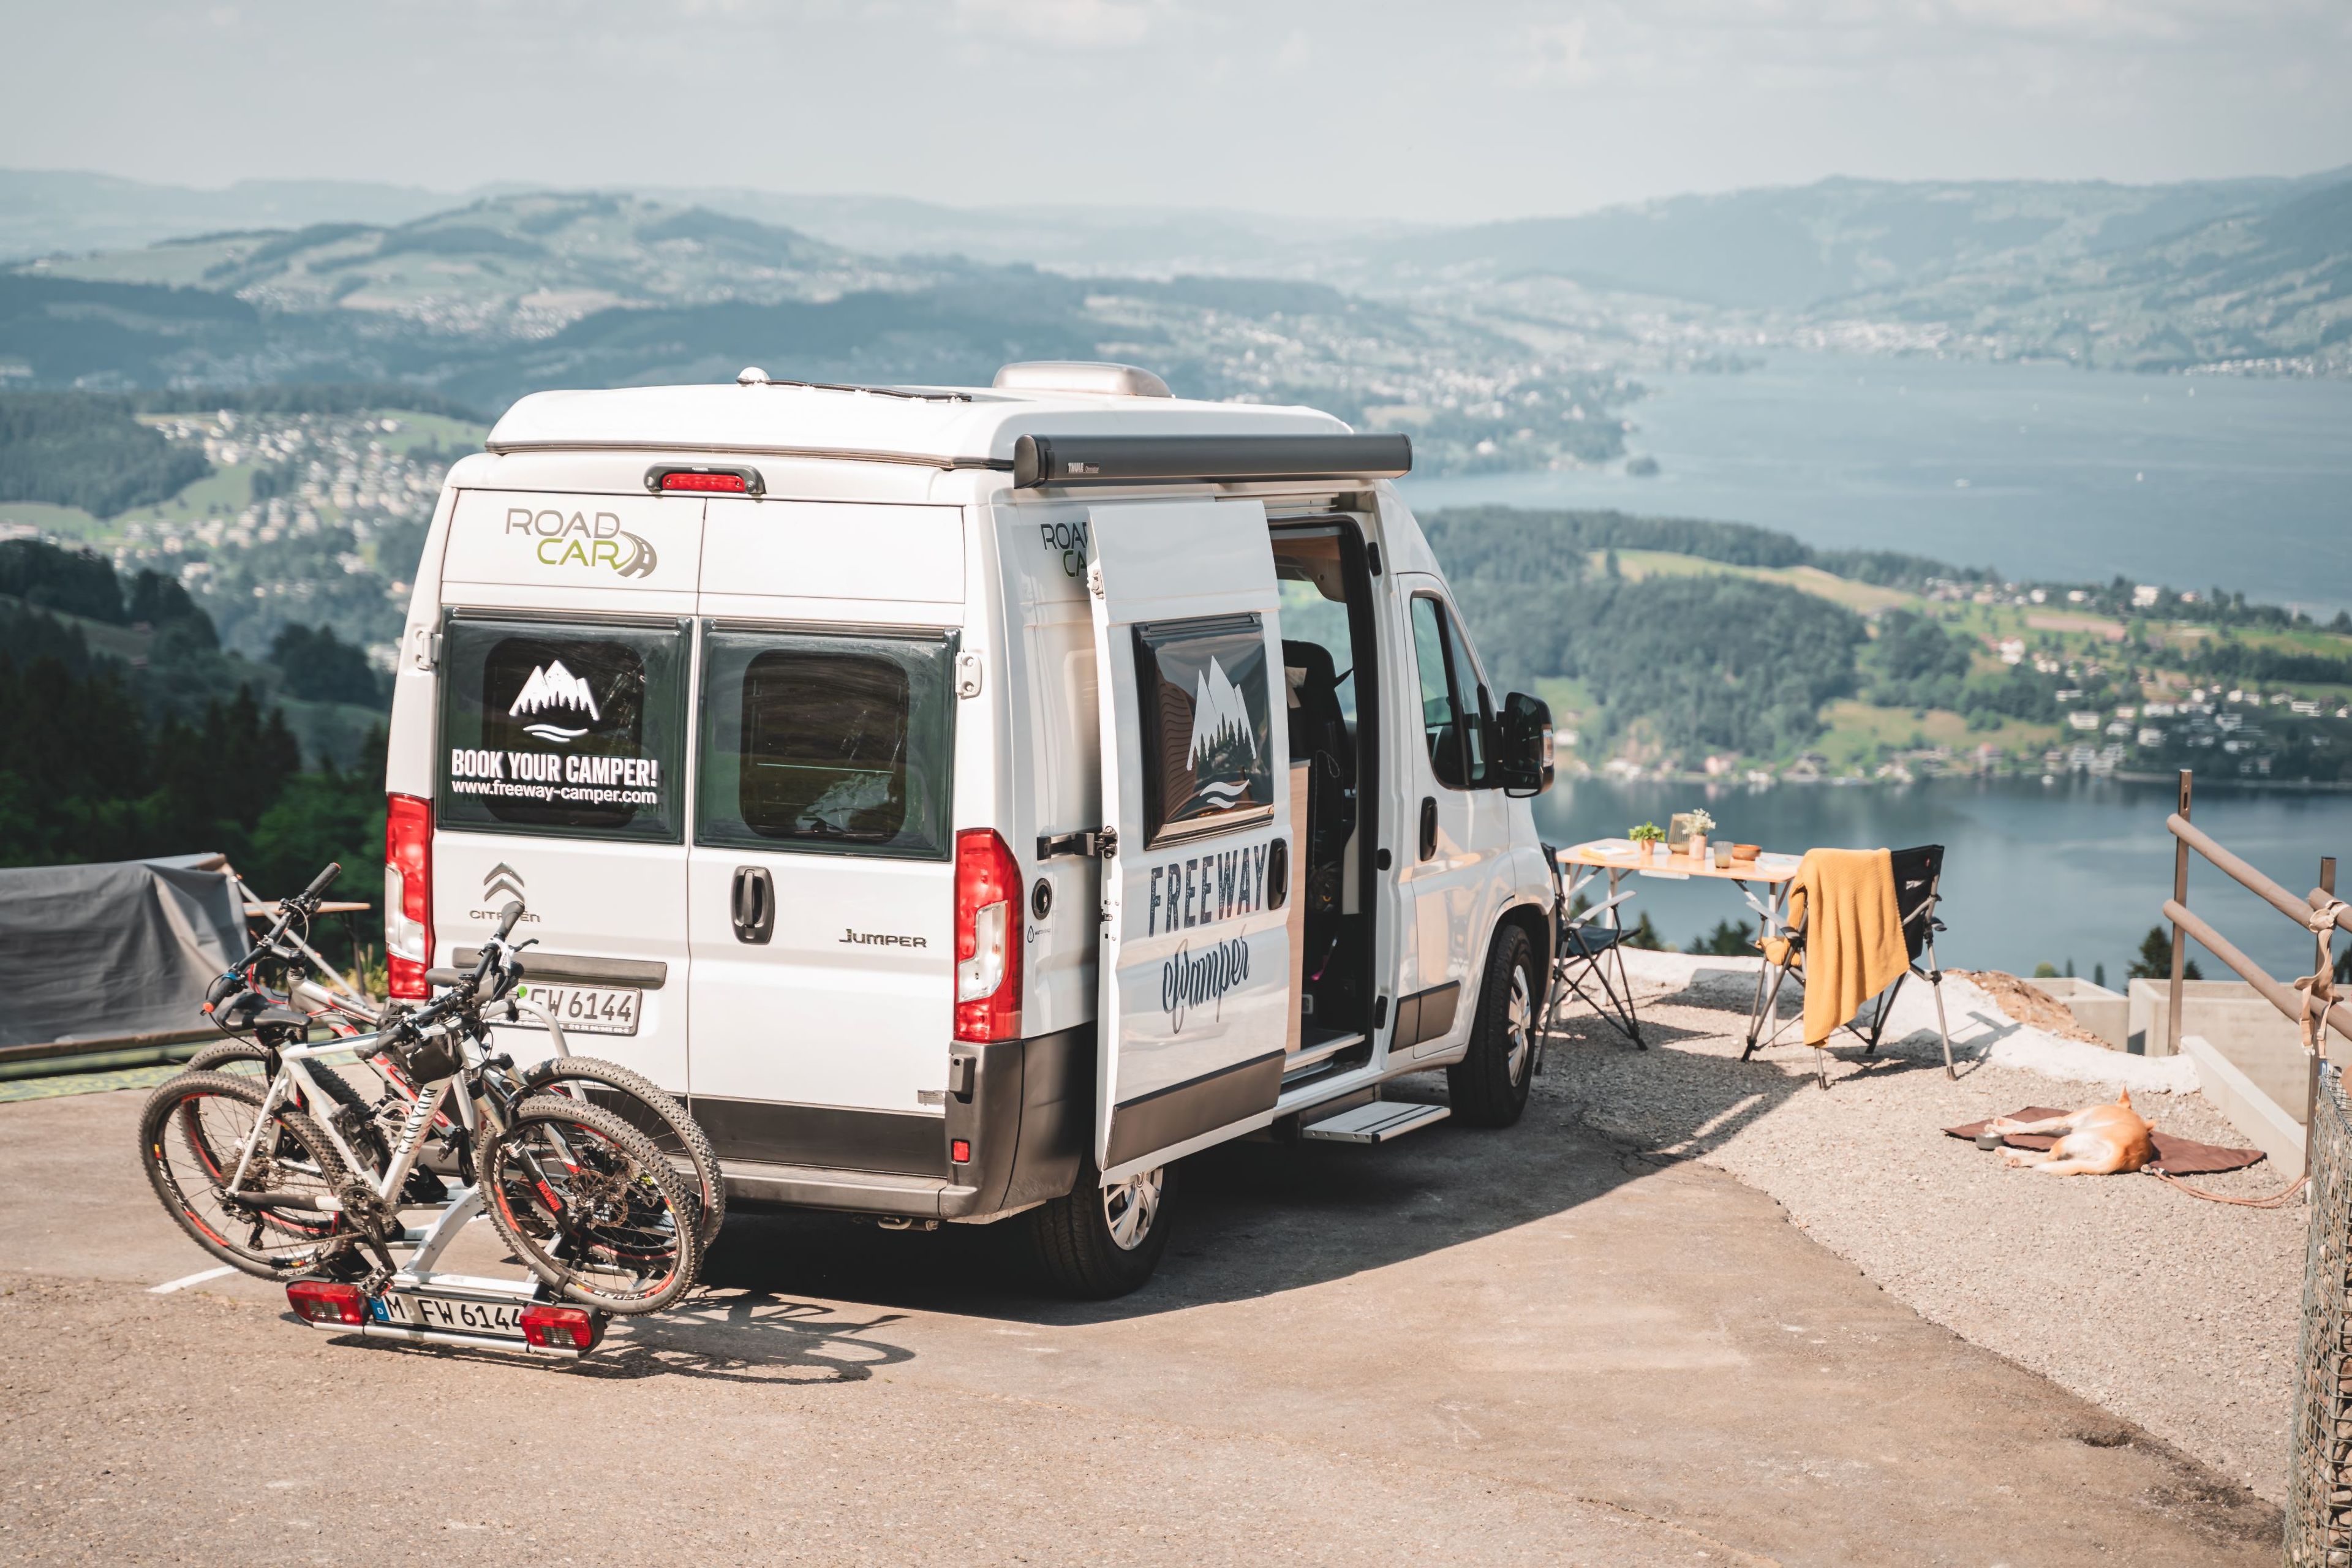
column 593, row 541
column 553, row 689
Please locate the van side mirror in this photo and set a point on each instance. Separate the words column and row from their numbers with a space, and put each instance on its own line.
column 1523, row 745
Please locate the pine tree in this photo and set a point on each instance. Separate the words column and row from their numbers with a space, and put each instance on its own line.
column 2155, row 961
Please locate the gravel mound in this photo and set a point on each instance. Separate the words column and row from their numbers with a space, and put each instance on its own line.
column 2176, row 1314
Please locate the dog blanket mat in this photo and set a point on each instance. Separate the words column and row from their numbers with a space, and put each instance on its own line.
column 2174, row 1156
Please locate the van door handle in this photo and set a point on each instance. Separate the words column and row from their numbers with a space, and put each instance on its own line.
column 754, row 906
column 1428, row 826
column 1277, row 874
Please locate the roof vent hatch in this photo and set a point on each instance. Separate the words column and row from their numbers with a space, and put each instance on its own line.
column 1097, row 377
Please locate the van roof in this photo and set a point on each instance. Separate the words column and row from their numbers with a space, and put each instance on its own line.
column 942, row 425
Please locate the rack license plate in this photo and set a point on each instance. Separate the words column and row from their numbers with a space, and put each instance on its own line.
column 584, row 1009
column 449, row 1313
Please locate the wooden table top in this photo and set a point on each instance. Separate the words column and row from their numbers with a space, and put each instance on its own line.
column 1623, row 855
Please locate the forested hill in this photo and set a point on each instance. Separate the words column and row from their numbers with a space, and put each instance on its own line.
column 1700, row 663
column 126, row 731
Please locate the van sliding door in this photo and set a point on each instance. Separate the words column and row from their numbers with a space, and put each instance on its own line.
column 1196, row 999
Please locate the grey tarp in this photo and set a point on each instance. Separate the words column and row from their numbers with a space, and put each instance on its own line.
column 124, row 948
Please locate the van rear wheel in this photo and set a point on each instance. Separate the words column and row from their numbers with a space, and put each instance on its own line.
column 1488, row 1087
column 1095, row 1242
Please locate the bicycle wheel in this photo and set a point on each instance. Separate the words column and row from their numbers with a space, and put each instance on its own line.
column 192, row 1133
column 590, row 1205
column 652, row 1112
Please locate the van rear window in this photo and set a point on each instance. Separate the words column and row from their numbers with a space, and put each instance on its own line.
column 835, row 743
column 563, row 728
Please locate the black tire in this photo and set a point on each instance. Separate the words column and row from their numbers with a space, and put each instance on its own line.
column 1083, row 1243
column 189, row 1132
column 1488, row 1087
column 620, row 1235
column 657, row 1115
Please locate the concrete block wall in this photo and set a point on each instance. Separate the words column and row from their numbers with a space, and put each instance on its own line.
column 2104, row 1013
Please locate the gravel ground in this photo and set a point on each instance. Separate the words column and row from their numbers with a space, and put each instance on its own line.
column 2176, row 1314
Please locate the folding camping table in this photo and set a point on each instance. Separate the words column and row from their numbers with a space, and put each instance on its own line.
column 1621, row 857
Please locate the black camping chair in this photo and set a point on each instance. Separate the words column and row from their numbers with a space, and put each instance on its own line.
column 1583, row 952
column 1918, row 879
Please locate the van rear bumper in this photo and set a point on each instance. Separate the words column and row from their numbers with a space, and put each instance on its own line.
column 1027, row 1118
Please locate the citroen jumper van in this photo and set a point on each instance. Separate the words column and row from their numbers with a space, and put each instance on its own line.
column 971, row 802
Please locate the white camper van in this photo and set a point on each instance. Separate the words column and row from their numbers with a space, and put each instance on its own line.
column 971, row 800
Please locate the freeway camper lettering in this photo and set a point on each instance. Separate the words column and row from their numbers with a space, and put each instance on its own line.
column 1203, row 889
column 557, row 776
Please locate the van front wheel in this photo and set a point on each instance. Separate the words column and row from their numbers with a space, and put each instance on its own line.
column 1488, row 1087
column 1096, row 1242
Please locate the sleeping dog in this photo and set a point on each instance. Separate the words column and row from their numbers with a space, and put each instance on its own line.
column 2096, row 1140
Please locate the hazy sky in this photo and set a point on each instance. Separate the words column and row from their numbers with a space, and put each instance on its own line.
column 1463, row 111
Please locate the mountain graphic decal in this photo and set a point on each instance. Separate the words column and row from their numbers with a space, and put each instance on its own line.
column 1221, row 732
column 553, row 689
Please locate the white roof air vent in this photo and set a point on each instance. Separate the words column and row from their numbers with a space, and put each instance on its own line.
column 750, row 375
column 1080, row 375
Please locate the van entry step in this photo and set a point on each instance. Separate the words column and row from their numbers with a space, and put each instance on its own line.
column 1375, row 1121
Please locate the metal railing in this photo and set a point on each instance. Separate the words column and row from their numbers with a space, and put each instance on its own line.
column 2319, row 1461
column 2186, row 837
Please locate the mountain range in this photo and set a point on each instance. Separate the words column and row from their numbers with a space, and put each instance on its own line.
column 1498, row 344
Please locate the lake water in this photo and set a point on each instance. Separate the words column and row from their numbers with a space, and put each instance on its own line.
column 2037, row 469
column 2032, row 873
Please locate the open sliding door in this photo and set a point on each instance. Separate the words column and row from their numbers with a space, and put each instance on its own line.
column 1196, row 992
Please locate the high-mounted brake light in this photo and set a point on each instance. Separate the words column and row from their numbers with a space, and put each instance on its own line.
column 408, row 895
column 699, row 480
column 559, row 1328
column 988, row 938
column 326, row 1301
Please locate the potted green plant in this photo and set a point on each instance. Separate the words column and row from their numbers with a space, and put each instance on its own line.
column 1650, row 839
column 1701, row 825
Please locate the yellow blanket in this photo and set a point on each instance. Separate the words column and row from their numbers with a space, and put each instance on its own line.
column 1844, row 899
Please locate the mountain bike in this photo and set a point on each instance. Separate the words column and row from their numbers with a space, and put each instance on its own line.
column 259, row 1019
column 585, row 1200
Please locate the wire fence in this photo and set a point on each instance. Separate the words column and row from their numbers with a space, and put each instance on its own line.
column 2319, row 1478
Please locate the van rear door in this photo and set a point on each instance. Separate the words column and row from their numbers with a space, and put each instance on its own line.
column 821, row 883
column 1196, row 999
column 566, row 644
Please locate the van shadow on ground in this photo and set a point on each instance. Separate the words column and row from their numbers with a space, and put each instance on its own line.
column 1260, row 1217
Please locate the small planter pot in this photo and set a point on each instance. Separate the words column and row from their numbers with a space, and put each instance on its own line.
column 1698, row 846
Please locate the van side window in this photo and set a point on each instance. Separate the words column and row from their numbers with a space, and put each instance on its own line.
column 1455, row 711
column 836, row 744
column 1441, row 712
column 559, row 727
column 1208, row 747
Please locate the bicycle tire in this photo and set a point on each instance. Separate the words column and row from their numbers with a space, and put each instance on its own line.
column 639, row 1209
column 658, row 1116
column 172, row 1115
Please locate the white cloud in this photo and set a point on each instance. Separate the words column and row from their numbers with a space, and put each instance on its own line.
column 1064, row 24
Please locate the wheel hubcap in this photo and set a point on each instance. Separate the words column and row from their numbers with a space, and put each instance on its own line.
column 1130, row 1206
column 1518, row 1026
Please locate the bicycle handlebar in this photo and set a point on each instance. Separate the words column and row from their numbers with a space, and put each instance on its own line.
column 323, row 880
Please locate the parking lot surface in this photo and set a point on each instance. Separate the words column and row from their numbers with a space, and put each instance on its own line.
column 1528, row 1346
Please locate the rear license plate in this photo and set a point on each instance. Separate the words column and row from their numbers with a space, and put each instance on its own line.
column 584, row 1009
column 449, row 1314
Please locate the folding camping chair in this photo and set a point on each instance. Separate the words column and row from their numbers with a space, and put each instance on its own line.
column 1918, row 877
column 1582, row 952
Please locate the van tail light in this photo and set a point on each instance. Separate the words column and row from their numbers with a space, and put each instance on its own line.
column 988, row 938
column 408, row 895
column 326, row 1301
column 559, row 1328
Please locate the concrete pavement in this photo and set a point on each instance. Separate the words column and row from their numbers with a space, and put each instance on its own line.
column 1528, row 1346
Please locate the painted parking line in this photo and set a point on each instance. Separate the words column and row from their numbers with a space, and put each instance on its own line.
column 168, row 1286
